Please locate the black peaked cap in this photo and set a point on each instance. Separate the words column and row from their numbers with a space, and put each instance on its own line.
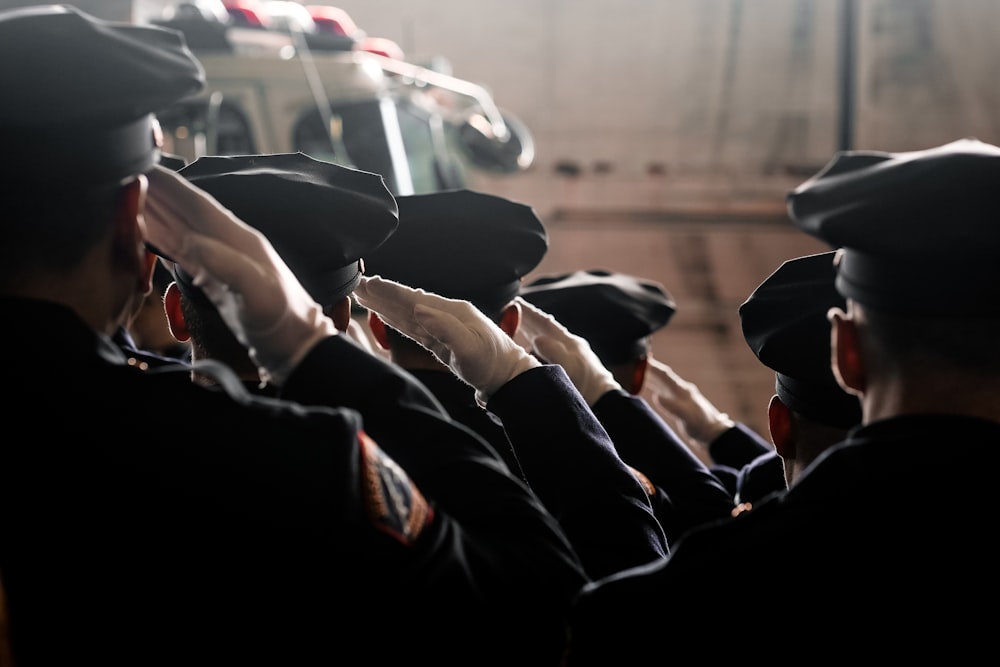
column 462, row 244
column 321, row 218
column 80, row 90
column 920, row 230
column 615, row 312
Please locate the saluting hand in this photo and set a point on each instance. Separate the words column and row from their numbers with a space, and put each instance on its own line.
column 699, row 418
column 555, row 344
column 475, row 348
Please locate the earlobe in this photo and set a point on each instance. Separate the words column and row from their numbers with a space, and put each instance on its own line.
column 845, row 347
column 779, row 421
column 510, row 319
column 378, row 330
column 639, row 375
column 175, row 315
column 340, row 313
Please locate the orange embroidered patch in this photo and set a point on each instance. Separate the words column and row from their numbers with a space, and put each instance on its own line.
column 394, row 504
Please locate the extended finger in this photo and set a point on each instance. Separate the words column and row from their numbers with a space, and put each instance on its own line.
column 537, row 322
column 443, row 333
column 552, row 350
column 164, row 228
column 183, row 203
column 391, row 301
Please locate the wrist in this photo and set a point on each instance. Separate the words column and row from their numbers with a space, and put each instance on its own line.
column 298, row 336
column 716, row 427
column 521, row 365
column 593, row 392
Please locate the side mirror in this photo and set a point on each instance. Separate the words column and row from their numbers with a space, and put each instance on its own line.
column 487, row 151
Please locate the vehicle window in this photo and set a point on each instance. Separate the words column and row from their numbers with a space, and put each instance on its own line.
column 206, row 127
column 357, row 138
column 431, row 164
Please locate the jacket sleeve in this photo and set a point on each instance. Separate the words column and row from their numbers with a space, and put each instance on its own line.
column 738, row 446
column 646, row 442
column 571, row 464
column 490, row 527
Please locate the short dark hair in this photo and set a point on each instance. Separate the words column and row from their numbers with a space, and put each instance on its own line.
column 965, row 343
column 211, row 337
column 54, row 232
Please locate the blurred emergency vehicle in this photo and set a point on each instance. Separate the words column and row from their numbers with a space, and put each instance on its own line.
column 285, row 77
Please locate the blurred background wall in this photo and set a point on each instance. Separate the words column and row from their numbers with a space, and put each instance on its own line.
column 668, row 132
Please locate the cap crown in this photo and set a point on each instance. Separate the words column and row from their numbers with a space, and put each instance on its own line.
column 615, row 312
column 919, row 229
column 462, row 244
column 322, row 218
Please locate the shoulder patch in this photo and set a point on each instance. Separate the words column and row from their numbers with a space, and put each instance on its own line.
column 394, row 504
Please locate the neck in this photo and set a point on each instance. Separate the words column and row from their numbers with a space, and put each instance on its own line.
column 967, row 394
column 99, row 297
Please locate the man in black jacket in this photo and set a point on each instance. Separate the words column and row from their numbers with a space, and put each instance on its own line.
column 151, row 520
column 883, row 545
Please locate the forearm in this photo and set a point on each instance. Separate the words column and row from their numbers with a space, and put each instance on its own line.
column 647, row 443
column 572, row 465
column 737, row 446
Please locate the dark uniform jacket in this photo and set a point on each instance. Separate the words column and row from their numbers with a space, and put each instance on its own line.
column 685, row 494
column 884, row 547
column 148, row 520
column 569, row 461
column 573, row 466
column 459, row 400
column 747, row 465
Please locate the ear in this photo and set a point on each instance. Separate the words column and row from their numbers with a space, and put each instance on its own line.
column 845, row 347
column 779, row 421
column 510, row 319
column 377, row 327
column 129, row 248
column 340, row 313
column 175, row 315
column 638, row 375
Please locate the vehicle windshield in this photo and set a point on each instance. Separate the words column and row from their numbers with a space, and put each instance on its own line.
column 401, row 142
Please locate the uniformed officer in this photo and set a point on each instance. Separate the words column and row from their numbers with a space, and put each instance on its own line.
column 467, row 245
column 784, row 323
column 884, row 544
column 150, row 520
column 477, row 247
